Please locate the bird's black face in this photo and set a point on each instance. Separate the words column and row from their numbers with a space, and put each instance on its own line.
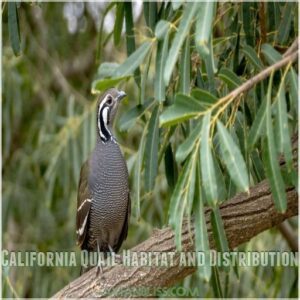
column 107, row 107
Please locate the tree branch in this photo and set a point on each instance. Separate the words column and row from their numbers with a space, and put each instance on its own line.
column 244, row 217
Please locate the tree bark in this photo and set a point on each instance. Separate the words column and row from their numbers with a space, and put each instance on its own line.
column 244, row 216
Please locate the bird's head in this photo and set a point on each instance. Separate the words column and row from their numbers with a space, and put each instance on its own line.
column 107, row 108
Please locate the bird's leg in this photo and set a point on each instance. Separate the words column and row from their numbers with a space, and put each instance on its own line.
column 99, row 267
column 118, row 258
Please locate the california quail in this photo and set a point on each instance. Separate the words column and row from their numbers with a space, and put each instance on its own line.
column 103, row 202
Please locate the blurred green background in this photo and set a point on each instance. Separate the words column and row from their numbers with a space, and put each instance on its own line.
column 48, row 130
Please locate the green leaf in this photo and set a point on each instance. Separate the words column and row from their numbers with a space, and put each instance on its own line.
column 249, row 23
column 129, row 118
column 13, row 28
column 138, row 171
column 161, row 29
column 150, row 13
column 151, row 153
column 252, row 57
column 208, row 173
column 204, row 22
column 230, row 78
column 133, row 61
column 271, row 162
column 204, row 96
column 130, row 40
column 161, row 56
column 271, row 55
column 185, row 68
column 210, row 68
column 170, row 167
column 292, row 78
column 233, row 158
column 184, row 108
column 178, row 202
column 118, row 23
column 222, row 193
column 187, row 146
column 201, row 236
column 130, row 37
column 176, row 4
column 144, row 79
column 285, row 24
column 219, row 231
column 183, row 30
column 103, row 84
column 216, row 283
column 258, row 127
column 106, row 69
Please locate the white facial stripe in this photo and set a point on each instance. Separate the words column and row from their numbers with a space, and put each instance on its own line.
column 81, row 229
column 82, row 204
column 105, row 116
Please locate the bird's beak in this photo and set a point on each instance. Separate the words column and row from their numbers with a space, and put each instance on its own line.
column 121, row 95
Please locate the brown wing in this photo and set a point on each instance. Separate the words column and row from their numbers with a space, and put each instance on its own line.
column 84, row 200
column 124, row 231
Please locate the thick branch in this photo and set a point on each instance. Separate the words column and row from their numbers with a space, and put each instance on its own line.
column 244, row 217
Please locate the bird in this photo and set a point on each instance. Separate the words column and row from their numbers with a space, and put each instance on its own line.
column 103, row 198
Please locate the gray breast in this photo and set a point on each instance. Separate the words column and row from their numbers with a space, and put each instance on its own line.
column 108, row 182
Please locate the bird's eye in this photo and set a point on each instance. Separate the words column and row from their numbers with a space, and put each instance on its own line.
column 109, row 100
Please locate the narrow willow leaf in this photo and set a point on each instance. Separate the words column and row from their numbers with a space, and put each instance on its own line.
column 210, row 68
column 150, row 13
column 103, row 84
column 271, row 162
column 187, row 146
column 161, row 29
column 252, row 57
column 273, row 16
column 128, row 119
column 185, row 68
column 258, row 165
column 130, row 37
column 130, row 40
column 138, row 171
column 292, row 78
column 106, row 69
column 233, row 158
column 151, row 153
column 184, row 28
column 176, row 4
column 144, row 79
column 219, row 231
column 201, row 237
column 222, row 192
column 204, row 22
column 161, row 56
column 216, row 283
column 258, row 127
column 204, row 96
column 208, row 174
column 230, row 78
column 282, row 133
column 118, row 23
column 133, row 61
column 13, row 28
column 249, row 23
column 271, row 55
column 176, row 196
column 285, row 24
column 170, row 167
column 184, row 108
column 100, row 42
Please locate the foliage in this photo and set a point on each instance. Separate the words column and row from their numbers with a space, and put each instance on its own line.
column 188, row 145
